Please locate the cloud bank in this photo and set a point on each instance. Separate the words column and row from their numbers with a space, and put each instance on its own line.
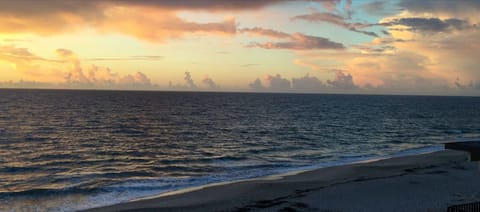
column 343, row 82
column 67, row 71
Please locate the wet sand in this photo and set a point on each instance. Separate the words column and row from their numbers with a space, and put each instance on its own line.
column 425, row 182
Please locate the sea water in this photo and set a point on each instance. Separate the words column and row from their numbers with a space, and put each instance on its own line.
column 66, row 150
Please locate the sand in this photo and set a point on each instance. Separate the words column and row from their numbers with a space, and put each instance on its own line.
column 426, row 182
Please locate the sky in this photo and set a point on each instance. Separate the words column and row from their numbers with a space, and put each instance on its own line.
column 426, row 47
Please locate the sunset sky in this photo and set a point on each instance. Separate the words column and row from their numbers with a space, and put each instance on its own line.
column 316, row 46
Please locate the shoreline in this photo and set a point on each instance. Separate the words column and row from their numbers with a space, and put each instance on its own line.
column 302, row 190
column 296, row 171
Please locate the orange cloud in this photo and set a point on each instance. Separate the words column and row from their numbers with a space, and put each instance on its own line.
column 145, row 19
column 147, row 24
column 26, row 63
column 154, row 24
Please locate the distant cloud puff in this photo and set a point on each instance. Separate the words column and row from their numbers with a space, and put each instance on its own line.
column 307, row 83
column 277, row 83
column 210, row 83
column 189, row 81
column 257, row 85
column 190, row 85
column 342, row 81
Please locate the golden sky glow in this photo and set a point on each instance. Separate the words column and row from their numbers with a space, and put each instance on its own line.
column 319, row 46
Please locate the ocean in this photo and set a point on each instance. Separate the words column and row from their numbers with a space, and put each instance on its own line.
column 66, row 150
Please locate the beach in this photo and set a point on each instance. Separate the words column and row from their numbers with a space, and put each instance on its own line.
column 424, row 182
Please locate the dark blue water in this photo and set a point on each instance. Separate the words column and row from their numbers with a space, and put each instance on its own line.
column 69, row 150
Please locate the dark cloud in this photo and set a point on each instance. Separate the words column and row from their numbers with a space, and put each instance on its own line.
column 335, row 20
column 429, row 24
column 342, row 81
column 300, row 41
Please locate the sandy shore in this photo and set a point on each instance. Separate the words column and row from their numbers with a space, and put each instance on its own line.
column 426, row 182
